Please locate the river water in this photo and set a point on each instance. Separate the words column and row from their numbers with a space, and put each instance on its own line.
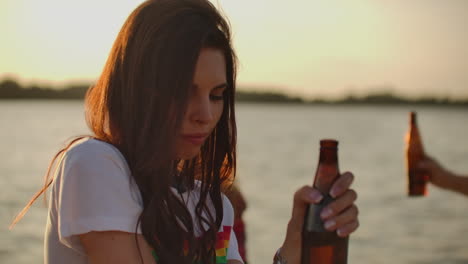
column 277, row 153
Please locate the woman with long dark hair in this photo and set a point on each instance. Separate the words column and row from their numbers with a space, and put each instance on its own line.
column 146, row 186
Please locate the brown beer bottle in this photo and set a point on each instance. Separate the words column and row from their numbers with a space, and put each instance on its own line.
column 320, row 246
column 417, row 179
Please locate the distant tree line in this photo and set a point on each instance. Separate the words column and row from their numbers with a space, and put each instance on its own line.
column 266, row 97
column 386, row 98
column 10, row 89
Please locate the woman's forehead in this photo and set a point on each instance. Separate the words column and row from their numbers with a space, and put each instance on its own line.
column 210, row 70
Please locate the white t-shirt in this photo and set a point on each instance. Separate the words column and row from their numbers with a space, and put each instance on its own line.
column 92, row 191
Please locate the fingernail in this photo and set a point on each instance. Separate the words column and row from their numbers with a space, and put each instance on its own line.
column 315, row 196
column 329, row 224
column 326, row 212
column 340, row 233
column 333, row 193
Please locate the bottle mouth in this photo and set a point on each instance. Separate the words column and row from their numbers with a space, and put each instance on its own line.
column 412, row 117
column 328, row 143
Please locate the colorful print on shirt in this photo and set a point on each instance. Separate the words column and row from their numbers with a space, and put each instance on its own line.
column 222, row 245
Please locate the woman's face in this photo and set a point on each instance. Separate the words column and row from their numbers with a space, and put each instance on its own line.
column 205, row 104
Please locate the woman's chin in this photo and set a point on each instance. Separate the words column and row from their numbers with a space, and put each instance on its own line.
column 188, row 154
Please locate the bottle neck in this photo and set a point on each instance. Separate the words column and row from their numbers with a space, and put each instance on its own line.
column 413, row 121
column 327, row 169
column 328, row 155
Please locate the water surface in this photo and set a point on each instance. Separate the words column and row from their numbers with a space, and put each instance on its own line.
column 278, row 152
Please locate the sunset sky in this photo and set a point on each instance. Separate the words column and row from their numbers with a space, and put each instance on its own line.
column 302, row 47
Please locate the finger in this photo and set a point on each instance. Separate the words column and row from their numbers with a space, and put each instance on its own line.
column 347, row 229
column 303, row 197
column 348, row 216
column 428, row 158
column 337, row 206
column 425, row 163
column 342, row 184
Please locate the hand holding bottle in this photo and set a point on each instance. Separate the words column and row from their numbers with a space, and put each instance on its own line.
column 438, row 175
column 341, row 215
column 442, row 177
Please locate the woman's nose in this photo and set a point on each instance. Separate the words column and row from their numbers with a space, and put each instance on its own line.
column 202, row 111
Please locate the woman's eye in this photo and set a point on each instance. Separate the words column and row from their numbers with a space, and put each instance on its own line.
column 217, row 97
column 218, row 93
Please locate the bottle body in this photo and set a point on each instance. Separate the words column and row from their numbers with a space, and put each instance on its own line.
column 324, row 247
column 318, row 244
column 416, row 178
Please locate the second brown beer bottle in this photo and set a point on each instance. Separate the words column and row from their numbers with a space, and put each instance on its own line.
column 417, row 178
column 320, row 246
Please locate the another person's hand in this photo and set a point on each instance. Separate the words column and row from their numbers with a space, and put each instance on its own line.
column 444, row 178
column 438, row 175
column 340, row 216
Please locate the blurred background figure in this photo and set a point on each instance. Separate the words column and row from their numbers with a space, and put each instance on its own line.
column 444, row 178
column 238, row 202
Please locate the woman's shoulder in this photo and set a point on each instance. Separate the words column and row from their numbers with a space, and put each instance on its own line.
column 91, row 145
column 228, row 209
column 88, row 150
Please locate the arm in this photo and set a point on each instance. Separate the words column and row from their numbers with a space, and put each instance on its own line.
column 342, row 212
column 460, row 184
column 237, row 201
column 116, row 247
column 444, row 178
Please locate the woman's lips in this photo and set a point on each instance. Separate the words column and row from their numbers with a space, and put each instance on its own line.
column 196, row 139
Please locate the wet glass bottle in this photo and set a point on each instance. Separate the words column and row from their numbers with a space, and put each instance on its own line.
column 417, row 179
column 320, row 246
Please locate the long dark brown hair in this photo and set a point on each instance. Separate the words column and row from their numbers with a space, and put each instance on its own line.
column 138, row 104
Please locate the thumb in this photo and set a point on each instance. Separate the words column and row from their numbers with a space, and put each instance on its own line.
column 302, row 198
column 427, row 163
